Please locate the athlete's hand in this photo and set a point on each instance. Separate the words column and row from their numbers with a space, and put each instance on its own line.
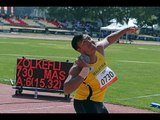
column 132, row 29
column 81, row 63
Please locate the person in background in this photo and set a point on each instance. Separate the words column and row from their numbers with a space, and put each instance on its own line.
column 90, row 76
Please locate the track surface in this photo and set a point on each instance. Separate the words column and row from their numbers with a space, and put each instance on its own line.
column 46, row 103
column 65, row 37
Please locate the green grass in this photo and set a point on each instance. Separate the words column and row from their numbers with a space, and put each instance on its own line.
column 137, row 67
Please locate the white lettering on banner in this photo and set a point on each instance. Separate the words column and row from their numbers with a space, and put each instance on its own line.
column 106, row 77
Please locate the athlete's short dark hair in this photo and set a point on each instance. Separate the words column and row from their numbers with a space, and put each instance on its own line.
column 75, row 40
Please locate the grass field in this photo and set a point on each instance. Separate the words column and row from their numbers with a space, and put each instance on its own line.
column 137, row 67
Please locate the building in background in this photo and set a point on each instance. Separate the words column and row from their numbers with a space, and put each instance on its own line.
column 6, row 11
column 30, row 12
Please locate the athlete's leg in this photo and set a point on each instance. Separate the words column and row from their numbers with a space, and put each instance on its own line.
column 79, row 106
column 95, row 107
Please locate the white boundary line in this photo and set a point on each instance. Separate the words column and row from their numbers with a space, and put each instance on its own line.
column 19, row 55
column 14, row 42
column 138, row 97
column 149, row 49
column 41, row 43
column 138, row 62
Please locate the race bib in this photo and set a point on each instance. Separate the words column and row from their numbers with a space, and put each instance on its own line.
column 106, row 77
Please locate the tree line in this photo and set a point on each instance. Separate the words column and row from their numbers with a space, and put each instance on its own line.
column 144, row 15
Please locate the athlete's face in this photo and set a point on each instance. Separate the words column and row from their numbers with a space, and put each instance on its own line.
column 87, row 45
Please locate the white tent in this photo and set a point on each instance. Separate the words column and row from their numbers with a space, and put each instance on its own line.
column 117, row 26
column 112, row 27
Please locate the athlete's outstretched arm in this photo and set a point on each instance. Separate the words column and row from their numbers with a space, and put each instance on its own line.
column 113, row 37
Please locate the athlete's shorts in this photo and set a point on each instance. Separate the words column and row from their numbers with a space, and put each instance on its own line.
column 88, row 106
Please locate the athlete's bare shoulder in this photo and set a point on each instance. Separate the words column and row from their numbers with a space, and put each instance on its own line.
column 100, row 48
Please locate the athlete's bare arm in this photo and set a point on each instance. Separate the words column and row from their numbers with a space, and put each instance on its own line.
column 74, row 79
column 113, row 37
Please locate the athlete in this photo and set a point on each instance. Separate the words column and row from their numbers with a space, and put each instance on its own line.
column 90, row 76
